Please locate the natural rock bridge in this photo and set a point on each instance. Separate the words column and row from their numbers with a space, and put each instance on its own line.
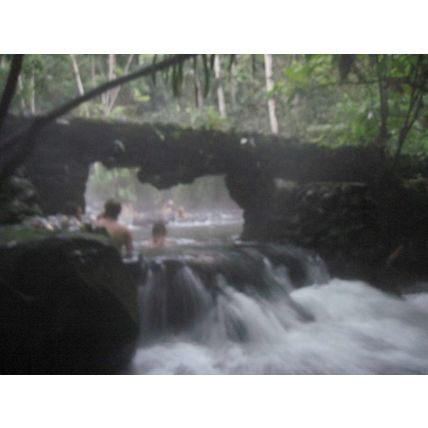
column 313, row 195
column 168, row 155
column 344, row 203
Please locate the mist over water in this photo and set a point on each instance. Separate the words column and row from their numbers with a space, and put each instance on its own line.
column 204, row 200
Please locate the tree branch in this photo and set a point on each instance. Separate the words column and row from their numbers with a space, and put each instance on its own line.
column 9, row 89
column 22, row 151
column 415, row 104
column 383, row 98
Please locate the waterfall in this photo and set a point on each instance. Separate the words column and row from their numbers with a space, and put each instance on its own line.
column 271, row 309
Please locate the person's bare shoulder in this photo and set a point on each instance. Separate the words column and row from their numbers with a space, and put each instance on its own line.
column 100, row 222
column 124, row 230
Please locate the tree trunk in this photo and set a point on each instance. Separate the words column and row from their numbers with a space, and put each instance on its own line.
column 93, row 72
column 269, row 87
column 78, row 78
column 383, row 136
column 233, row 88
column 33, row 94
column 199, row 96
column 24, row 107
column 76, row 72
column 220, row 90
column 111, row 75
column 10, row 87
column 114, row 93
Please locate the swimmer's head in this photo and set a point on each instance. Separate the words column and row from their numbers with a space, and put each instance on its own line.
column 159, row 234
column 112, row 209
column 158, row 230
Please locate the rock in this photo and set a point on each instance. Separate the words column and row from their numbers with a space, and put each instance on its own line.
column 18, row 200
column 167, row 155
column 354, row 226
column 68, row 304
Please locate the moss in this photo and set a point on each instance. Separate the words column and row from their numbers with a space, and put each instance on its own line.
column 10, row 234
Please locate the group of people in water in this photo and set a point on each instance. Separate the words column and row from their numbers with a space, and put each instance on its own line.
column 120, row 234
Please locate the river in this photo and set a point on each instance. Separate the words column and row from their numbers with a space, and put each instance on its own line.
column 210, row 304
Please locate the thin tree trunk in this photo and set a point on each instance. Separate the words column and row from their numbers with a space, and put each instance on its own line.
column 199, row 96
column 33, row 94
column 78, row 79
column 383, row 105
column 233, row 88
column 220, row 90
column 93, row 71
column 76, row 72
column 269, row 87
column 111, row 66
column 24, row 107
column 114, row 93
column 94, row 76
column 111, row 75
column 105, row 97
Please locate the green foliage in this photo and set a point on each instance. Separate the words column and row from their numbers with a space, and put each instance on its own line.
column 121, row 184
column 325, row 99
column 208, row 118
column 336, row 99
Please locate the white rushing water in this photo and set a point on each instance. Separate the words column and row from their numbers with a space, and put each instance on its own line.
column 269, row 309
column 352, row 328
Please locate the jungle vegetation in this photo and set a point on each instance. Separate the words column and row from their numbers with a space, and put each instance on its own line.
column 334, row 100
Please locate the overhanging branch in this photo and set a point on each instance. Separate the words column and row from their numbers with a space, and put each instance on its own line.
column 10, row 87
column 21, row 151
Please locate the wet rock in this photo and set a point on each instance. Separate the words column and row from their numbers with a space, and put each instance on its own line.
column 354, row 226
column 68, row 304
column 59, row 222
column 18, row 200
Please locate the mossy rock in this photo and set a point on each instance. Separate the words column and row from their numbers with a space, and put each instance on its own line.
column 18, row 200
column 68, row 304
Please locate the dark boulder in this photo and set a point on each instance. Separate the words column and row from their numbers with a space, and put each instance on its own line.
column 67, row 302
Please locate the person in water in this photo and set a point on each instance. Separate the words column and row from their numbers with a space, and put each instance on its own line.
column 167, row 211
column 119, row 234
column 158, row 235
column 74, row 210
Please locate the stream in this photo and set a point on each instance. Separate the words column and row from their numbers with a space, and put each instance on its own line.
column 210, row 304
